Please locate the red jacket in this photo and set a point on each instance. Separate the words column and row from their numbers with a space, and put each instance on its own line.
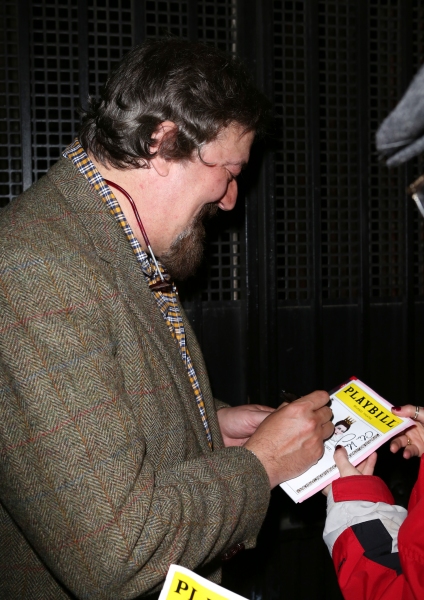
column 377, row 547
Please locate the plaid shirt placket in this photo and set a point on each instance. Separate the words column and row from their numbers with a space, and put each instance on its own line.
column 167, row 302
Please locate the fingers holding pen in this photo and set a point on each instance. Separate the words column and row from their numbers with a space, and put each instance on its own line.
column 319, row 406
column 290, row 440
column 313, row 402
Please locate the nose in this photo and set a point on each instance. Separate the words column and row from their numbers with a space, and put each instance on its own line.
column 228, row 201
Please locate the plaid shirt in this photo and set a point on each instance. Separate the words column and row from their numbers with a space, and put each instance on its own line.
column 166, row 301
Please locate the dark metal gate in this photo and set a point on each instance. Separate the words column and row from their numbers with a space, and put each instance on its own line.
column 318, row 274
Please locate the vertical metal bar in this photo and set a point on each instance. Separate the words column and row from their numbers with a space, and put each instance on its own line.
column 408, row 307
column 83, row 53
column 139, row 21
column 246, row 27
column 192, row 20
column 24, row 8
column 312, row 65
column 255, row 38
column 252, row 301
column 363, row 185
column 268, row 349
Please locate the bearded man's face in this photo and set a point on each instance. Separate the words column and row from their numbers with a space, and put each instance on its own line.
column 195, row 190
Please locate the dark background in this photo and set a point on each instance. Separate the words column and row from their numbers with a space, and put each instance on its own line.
column 318, row 274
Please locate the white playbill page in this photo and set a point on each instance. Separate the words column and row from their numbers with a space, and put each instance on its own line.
column 362, row 421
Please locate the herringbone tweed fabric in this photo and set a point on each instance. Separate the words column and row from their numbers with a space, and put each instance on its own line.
column 106, row 477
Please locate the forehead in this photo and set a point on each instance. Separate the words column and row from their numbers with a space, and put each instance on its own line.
column 232, row 147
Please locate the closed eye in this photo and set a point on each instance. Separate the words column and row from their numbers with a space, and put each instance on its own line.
column 232, row 176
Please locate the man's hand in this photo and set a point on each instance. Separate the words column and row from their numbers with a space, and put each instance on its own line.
column 290, row 440
column 366, row 467
column 415, row 433
column 238, row 423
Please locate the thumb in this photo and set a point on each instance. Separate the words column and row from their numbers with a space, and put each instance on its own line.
column 342, row 462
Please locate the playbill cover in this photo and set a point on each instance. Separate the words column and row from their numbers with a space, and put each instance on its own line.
column 362, row 421
column 182, row 584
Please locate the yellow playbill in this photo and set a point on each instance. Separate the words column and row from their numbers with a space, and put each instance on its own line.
column 183, row 584
column 367, row 407
column 363, row 421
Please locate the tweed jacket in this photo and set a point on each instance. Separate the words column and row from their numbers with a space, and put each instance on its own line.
column 106, row 477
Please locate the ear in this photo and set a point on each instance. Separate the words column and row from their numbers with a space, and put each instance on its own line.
column 160, row 165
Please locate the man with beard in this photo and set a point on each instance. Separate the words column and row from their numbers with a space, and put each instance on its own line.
column 116, row 459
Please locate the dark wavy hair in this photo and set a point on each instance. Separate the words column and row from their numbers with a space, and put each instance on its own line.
column 197, row 87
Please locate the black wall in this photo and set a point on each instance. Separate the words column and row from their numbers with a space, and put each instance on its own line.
column 318, row 274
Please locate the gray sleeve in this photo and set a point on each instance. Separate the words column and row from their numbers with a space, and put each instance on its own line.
column 401, row 135
column 342, row 515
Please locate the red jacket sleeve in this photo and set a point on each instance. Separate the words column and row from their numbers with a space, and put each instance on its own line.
column 377, row 549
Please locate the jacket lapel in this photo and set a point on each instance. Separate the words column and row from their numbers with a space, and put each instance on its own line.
column 111, row 245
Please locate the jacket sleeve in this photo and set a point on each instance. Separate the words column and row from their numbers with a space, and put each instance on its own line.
column 219, row 404
column 361, row 532
column 74, row 475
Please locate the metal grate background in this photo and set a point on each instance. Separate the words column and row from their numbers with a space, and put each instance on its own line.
column 54, row 69
column 217, row 23
column 338, row 34
column 338, row 157
column 349, row 246
column 293, row 208
column 386, row 214
column 10, row 134
column 167, row 17
column 110, row 36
